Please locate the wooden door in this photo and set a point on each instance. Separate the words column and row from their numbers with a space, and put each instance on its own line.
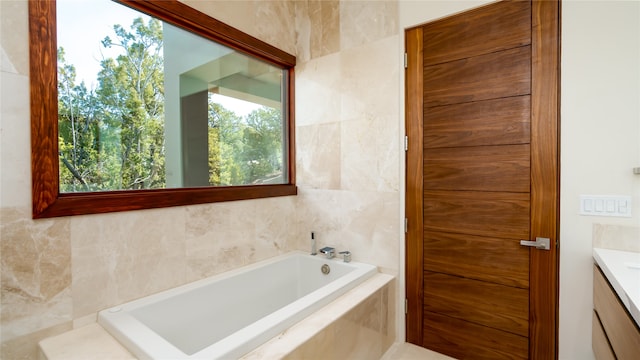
column 482, row 174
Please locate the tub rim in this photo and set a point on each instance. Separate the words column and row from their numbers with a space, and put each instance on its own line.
column 241, row 341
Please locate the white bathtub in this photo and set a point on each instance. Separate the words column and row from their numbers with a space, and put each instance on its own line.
column 228, row 315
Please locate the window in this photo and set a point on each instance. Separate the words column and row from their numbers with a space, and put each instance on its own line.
column 182, row 109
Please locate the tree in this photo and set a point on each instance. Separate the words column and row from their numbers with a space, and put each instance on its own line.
column 112, row 138
column 131, row 90
column 247, row 150
column 225, row 142
column 77, row 130
column 263, row 136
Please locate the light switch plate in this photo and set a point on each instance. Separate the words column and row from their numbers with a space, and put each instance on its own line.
column 605, row 205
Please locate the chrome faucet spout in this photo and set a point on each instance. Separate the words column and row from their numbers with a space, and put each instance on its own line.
column 329, row 252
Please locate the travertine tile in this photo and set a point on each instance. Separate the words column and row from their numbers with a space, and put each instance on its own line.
column 406, row 351
column 362, row 222
column 319, row 347
column 343, row 94
column 36, row 273
column 318, row 156
column 14, row 35
column 366, row 21
column 370, row 127
column 303, row 31
column 368, row 162
column 388, row 327
column 318, row 95
column 626, row 238
column 274, row 230
column 220, row 237
column 90, row 342
column 325, row 25
column 274, row 23
column 15, row 143
column 270, row 21
column 370, row 85
column 123, row 256
column 26, row 346
column 358, row 333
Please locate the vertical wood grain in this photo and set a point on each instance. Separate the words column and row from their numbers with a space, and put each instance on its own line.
column 545, row 177
column 414, row 185
column 44, row 104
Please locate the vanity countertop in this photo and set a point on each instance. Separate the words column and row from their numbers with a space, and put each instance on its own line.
column 622, row 269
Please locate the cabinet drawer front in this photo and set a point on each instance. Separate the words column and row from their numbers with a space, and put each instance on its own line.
column 620, row 329
column 601, row 347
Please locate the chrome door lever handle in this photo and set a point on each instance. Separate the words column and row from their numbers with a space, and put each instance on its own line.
column 540, row 243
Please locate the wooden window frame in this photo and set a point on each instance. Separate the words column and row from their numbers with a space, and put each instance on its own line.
column 47, row 200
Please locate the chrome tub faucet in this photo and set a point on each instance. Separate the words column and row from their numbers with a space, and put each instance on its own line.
column 329, row 252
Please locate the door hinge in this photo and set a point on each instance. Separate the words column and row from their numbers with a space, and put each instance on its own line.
column 406, row 225
column 405, row 60
column 406, row 143
column 406, row 306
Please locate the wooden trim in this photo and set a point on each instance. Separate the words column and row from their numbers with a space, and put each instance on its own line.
column 46, row 198
column 414, row 184
column 44, row 105
column 545, row 185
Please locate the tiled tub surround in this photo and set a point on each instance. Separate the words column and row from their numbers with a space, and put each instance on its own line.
column 358, row 324
column 228, row 315
column 57, row 273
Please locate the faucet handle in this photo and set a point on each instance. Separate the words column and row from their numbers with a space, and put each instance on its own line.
column 346, row 255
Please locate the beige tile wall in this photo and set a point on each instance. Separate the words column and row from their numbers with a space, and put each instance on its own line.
column 364, row 332
column 59, row 271
column 616, row 237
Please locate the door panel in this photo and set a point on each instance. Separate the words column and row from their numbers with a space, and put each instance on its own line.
column 495, row 75
column 490, row 122
column 493, row 305
column 497, row 215
column 452, row 39
column 480, row 168
column 466, row 340
column 477, row 257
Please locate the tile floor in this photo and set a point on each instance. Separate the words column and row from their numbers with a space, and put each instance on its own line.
column 406, row 351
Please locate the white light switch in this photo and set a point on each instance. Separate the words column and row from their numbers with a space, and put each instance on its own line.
column 588, row 205
column 611, row 205
column 604, row 205
column 599, row 205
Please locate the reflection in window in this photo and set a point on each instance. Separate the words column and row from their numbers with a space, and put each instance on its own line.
column 155, row 106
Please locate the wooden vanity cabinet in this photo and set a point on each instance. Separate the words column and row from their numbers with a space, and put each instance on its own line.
column 615, row 334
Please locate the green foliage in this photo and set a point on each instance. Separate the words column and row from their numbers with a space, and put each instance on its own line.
column 112, row 137
column 244, row 151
